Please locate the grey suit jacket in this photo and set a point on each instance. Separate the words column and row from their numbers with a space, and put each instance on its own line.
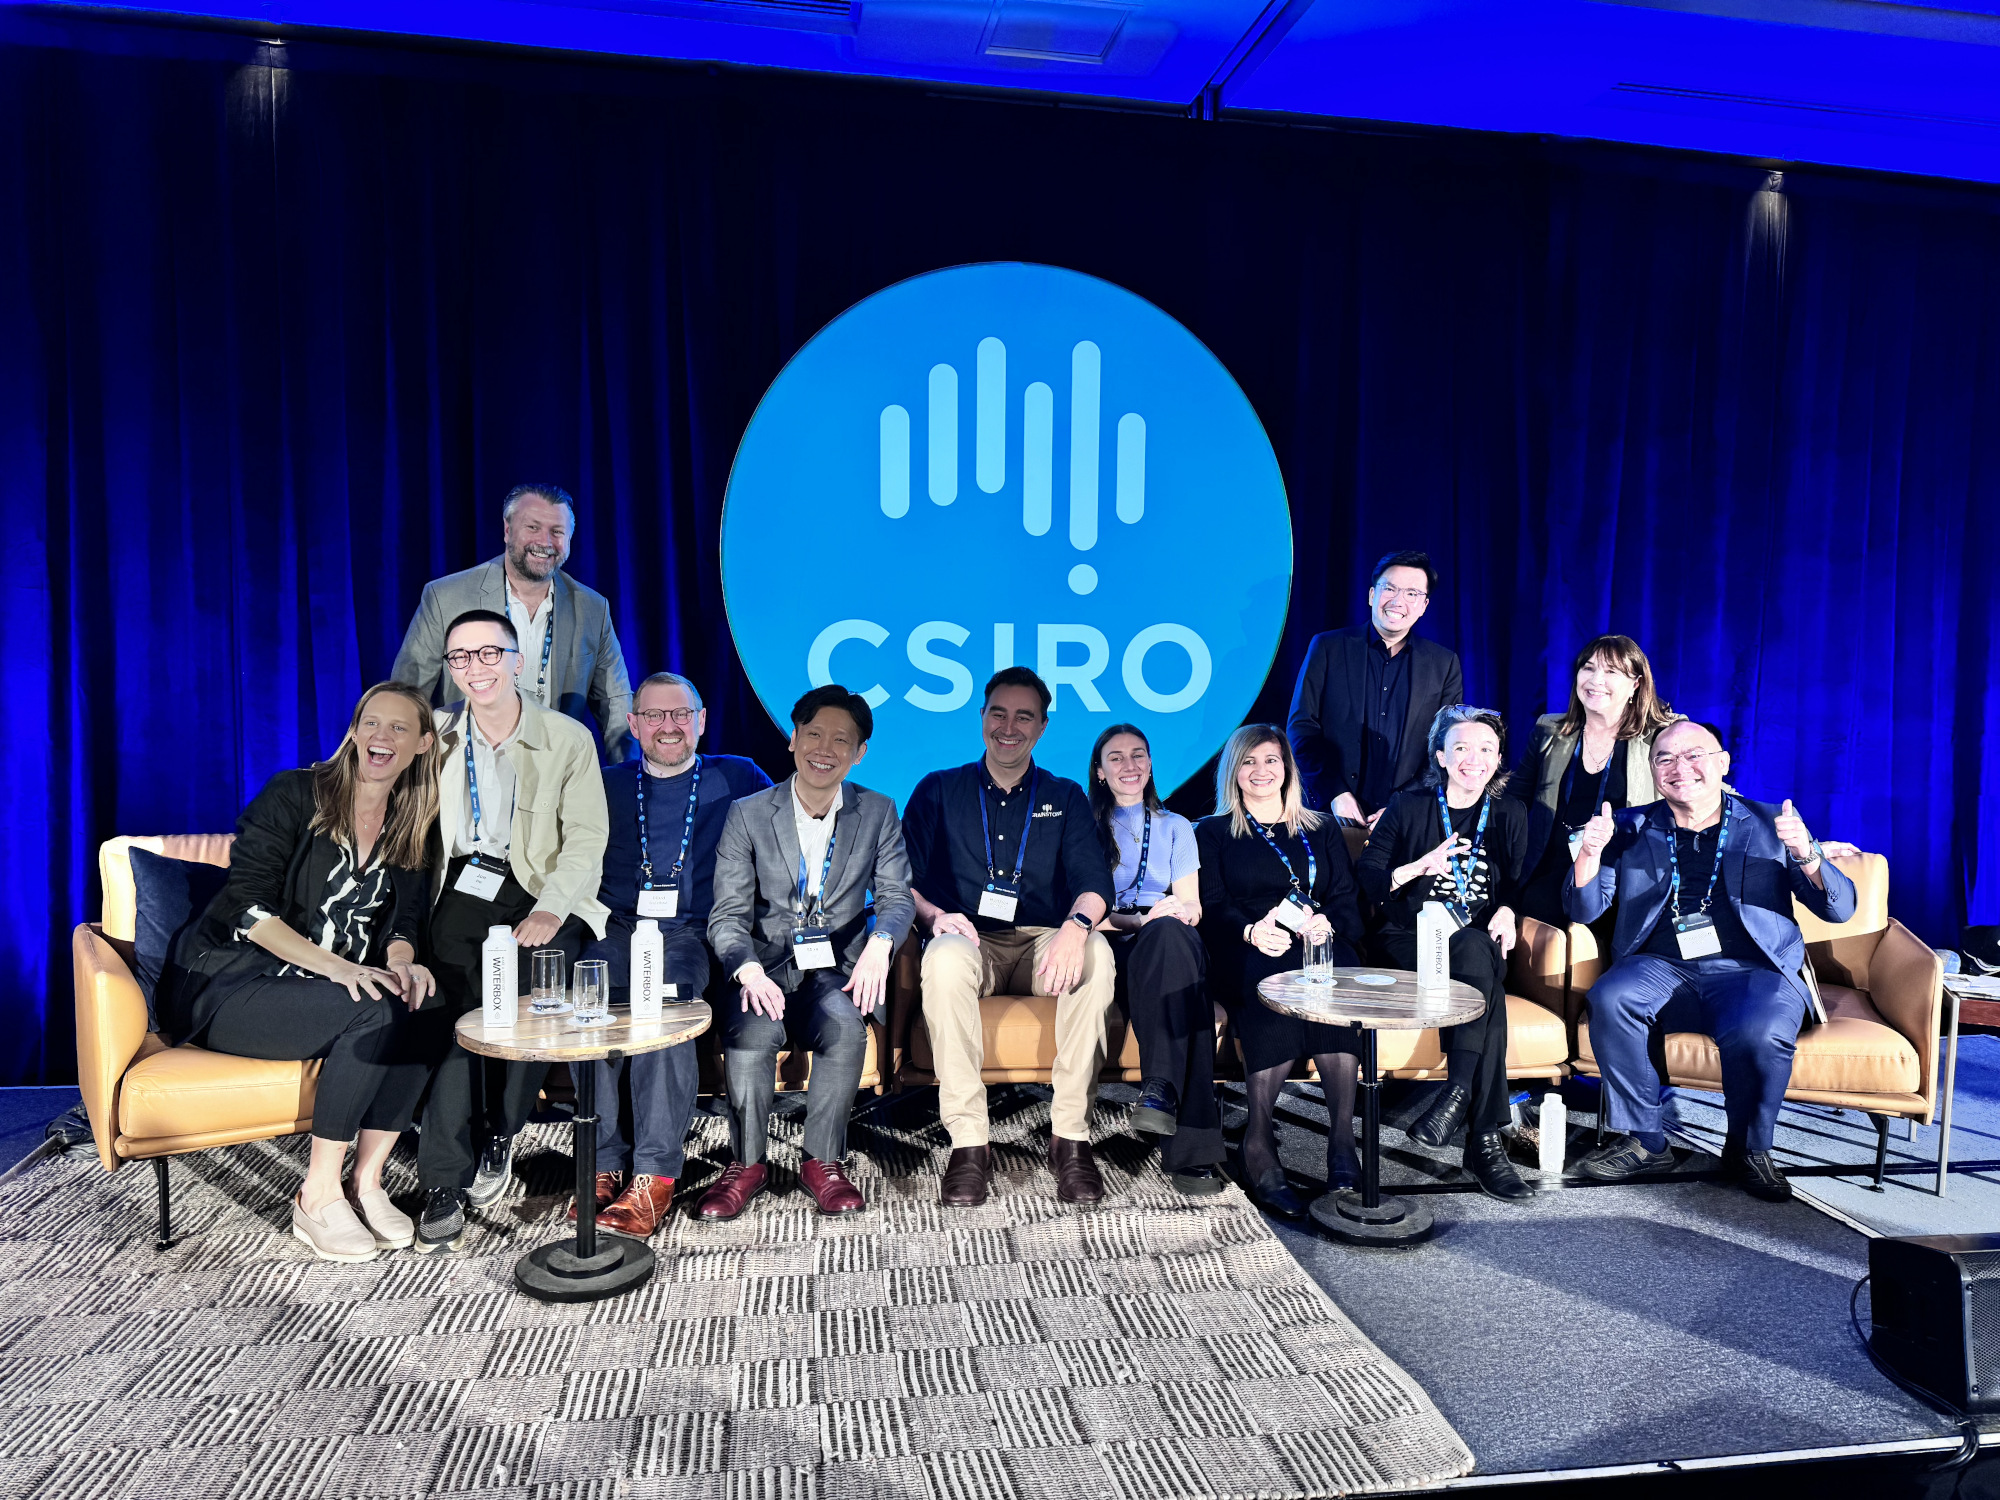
column 757, row 874
column 587, row 667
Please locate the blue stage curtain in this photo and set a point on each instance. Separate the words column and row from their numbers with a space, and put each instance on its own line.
column 278, row 328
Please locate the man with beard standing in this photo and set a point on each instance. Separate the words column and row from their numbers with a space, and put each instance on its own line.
column 570, row 657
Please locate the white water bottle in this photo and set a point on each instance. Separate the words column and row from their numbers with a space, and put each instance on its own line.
column 499, row 976
column 1554, row 1133
column 649, row 953
column 1434, row 929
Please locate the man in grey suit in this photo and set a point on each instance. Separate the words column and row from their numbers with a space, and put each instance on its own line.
column 791, row 928
column 570, row 658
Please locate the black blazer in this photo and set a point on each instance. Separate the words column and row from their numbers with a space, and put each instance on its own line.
column 1326, row 717
column 1410, row 827
column 277, row 863
column 1242, row 879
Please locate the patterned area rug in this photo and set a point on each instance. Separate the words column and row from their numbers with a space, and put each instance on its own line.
column 1149, row 1349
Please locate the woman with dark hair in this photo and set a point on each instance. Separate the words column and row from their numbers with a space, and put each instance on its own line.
column 310, row 950
column 1457, row 841
column 1162, row 967
column 1599, row 752
column 1274, row 872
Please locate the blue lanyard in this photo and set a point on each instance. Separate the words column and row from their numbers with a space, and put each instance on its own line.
column 806, row 893
column 986, row 828
column 472, row 778
column 548, row 642
column 1292, row 870
column 1461, row 870
column 1674, row 861
column 687, row 829
column 1145, row 848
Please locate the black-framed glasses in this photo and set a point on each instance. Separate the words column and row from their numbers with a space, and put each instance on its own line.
column 489, row 656
column 653, row 718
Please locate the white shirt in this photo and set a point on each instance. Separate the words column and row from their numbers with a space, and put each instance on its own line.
column 814, row 835
column 494, row 766
column 533, row 631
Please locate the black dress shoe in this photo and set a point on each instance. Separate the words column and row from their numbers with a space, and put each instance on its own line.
column 1275, row 1196
column 1440, row 1122
column 1343, row 1169
column 1197, row 1182
column 1756, row 1174
column 1486, row 1159
column 1077, row 1177
column 1157, row 1109
column 1622, row 1158
column 966, row 1177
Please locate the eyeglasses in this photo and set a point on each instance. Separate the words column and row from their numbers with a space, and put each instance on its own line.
column 1384, row 593
column 653, row 718
column 1692, row 759
column 489, row 656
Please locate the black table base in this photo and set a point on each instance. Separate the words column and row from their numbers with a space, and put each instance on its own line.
column 1366, row 1217
column 585, row 1269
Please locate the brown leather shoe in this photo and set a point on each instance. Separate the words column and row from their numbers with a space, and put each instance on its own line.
column 640, row 1208
column 827, row 1182
column 732, row 1192
column 1077, row 1178
column 608, row 1184
column 966, row 1177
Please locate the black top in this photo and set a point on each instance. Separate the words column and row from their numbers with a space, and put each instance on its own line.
column 1331, row 711
column 1386, row 704
column 1583, row 793
column 724, row 778
column 279, row 867
column 1694, row 852
column 1410, row 828
column 948, row 864
column 1243, row 878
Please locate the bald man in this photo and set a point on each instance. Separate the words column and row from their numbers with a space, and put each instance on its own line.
column 1705, row 941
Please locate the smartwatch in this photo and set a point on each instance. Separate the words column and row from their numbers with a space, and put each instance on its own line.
column 1082, row 921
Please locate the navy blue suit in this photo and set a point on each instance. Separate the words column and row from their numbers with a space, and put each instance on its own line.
column 1752, row 1004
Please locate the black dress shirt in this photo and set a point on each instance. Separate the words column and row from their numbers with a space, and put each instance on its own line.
column 1694, row 852
column 1387, row 700
column 1064, row 858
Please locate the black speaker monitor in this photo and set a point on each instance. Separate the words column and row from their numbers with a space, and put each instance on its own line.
column 1935, row 1306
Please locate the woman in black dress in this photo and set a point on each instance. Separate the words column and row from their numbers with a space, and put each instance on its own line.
column 1273, row 871
column 310, row 950
column 1456, row 840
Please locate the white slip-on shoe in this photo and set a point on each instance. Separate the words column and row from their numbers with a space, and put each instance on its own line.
column 390, row 1226
column 335, row 1232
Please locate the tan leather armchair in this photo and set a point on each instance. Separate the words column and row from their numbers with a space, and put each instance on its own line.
column 1883, row 990
column 147, row 1100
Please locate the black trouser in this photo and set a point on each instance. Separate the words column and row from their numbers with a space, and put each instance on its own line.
column 1475, row 1053
column 475, row 1098
column 1162, row 986
column 372, row 1062
column 644, row 1103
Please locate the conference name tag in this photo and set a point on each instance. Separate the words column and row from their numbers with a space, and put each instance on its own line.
column 480, row 879
column 1293, row 914
column 1697, row 936
column 1575, row 844
column 999, row 901
column 812, row 948
column 664, row 903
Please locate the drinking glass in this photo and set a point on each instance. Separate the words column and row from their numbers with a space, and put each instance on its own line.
column 1319, row 960
column 592, row 987
column 546, row 968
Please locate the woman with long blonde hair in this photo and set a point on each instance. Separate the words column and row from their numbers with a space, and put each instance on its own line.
column 311, row 950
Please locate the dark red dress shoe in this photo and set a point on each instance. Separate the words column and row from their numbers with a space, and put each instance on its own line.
column 966, row 1177
column 640, row 1208
column 607, row 1189
column 1077, row 1178
column 827, row 1182
column 732, row 1192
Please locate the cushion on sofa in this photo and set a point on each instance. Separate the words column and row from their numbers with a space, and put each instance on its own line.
column 169, row 894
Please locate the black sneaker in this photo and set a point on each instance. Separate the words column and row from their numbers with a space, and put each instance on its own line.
column 496, row 1170
column 1155, row 1113
column 442, row 1224
column 1756, row 1174
column 1622, row 1158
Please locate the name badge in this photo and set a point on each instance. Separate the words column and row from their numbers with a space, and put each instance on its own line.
column 1697, row 936
column 1457, row 915
column 812, row 948
column 1575, row 843
column 660, row 903
column 1293, row 914
column 999, row 901
column 480, row 879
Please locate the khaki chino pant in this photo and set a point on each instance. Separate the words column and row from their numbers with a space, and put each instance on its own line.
column 957, row 975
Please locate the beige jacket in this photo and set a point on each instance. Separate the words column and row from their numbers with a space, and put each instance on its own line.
column 560, row 820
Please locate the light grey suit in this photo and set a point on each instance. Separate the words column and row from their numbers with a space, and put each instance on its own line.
column 752, row 920
column 586, row 668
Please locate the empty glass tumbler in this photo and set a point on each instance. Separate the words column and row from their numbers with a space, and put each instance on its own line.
column 546, row 970
column 591, row 992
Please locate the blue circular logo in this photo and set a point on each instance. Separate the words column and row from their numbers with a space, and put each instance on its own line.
column 1009, row 464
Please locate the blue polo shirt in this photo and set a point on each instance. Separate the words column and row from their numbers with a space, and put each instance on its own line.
column 1063, row 860
column 724, row 778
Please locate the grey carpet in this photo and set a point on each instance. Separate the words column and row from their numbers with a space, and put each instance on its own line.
column 1155, row 1347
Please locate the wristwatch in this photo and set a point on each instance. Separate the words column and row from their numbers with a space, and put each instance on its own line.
column 1817, row 855
column 1082, row 921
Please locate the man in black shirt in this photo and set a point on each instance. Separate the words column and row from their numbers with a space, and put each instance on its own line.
column 1705, row 941
column 1366, row 697
column 1010, row 881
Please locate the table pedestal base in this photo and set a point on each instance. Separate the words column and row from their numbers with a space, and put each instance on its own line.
column 556, row 1273
column 1391, row 1222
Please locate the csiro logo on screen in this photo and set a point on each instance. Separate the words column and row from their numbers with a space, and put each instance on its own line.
column 1001, row 464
